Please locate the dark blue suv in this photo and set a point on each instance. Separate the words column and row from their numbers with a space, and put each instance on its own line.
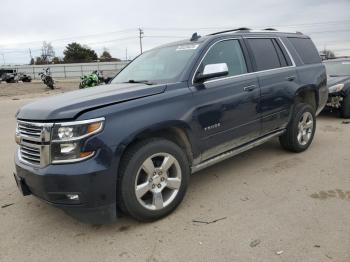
column 131, row 146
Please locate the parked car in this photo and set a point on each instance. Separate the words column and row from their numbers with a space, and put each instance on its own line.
column 25, row 78
column 130, row 147
column 16, row 77
column 11, row 77
column 4, row 72
column 338, row 71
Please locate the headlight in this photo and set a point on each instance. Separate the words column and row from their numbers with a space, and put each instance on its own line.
column 68, row 139
column 336, row 88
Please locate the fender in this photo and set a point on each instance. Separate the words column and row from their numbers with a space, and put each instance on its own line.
column 156, row 129
column 308, row 88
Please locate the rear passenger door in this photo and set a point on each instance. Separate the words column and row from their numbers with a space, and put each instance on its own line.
column 277, row 78
column 225, row 110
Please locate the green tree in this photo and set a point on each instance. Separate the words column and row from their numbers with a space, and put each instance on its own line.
column 328, row 54
column 57, row 60
column 39, row 61
column 32, row 61
column 76, row 53
column 106, row 56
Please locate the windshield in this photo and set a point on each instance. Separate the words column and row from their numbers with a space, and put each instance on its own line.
column 338, row 68
column 158, row 65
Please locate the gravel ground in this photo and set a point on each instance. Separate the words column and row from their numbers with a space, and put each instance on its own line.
column 34, row 89
column 270, row 205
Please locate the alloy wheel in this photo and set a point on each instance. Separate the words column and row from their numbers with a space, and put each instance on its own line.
column 158, row 181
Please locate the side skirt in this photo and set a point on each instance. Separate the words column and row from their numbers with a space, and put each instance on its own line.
column 235, row 151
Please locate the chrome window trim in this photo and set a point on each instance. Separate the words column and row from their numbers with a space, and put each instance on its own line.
column 280, row 39
column 245, row 74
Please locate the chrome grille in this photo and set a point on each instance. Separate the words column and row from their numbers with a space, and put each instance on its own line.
column 30, row 154
column 26, row 129
column 34, row 142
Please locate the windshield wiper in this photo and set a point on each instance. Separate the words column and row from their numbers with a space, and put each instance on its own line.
column 140, row 81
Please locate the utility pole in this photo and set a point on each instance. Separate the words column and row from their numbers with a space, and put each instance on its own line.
column 126, row 54
column 30, row 54
column 3, row 58
column 140, row 36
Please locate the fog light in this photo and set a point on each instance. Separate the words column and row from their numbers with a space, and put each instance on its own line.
column 72, row 196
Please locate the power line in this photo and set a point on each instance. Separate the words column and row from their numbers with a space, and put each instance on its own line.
column 73, row 37
column 174, row 29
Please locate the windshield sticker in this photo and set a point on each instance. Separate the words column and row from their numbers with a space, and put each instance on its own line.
column 346, row 63
column 186, row 47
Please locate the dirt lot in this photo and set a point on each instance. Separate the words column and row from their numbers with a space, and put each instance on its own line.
column 274, row 205
column 35, row 89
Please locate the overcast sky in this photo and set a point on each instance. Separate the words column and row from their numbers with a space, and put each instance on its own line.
column 113, row 24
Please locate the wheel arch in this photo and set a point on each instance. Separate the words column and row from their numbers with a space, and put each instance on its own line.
column 176, row 131
column 307, row 94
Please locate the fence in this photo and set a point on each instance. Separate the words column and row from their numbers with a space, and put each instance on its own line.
column 69, row 71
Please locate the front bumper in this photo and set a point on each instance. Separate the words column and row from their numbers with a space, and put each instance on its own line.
column 94, row 180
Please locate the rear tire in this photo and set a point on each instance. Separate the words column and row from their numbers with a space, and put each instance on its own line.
column 153, row 179
column 300, row 130
column 345, row 111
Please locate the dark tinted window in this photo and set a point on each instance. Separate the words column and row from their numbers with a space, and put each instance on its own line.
column 306, row 50
column 281, row 56
column 265, row 54
column 229, row 52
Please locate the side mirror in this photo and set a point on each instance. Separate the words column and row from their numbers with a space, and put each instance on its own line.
column 211, row 71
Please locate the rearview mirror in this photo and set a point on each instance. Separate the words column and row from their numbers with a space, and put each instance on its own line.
column 211, row 71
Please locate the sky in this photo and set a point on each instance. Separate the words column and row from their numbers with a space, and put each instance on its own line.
column 114, row 24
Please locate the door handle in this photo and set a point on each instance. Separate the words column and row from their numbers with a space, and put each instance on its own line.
column 249, row 88
column 291, row 78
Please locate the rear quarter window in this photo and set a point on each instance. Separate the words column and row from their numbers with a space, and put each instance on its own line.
column 306, row 50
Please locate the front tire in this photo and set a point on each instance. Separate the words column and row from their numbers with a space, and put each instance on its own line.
column 153, row 179
column 345, row 111
column 300, row 130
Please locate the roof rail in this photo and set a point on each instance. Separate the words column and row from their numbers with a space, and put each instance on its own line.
column 231, row 30
column 245, row 29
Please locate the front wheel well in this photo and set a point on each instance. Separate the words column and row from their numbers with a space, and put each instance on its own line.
column 174, row 134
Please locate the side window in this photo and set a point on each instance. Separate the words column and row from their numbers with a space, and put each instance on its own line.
column 265, row 54
column 229, row 52
column 306, row 50
column 281, row 56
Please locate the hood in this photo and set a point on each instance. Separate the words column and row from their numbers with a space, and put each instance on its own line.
column 333, row 80
column 68, row 105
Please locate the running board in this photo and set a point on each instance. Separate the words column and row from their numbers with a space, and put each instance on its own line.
column 234, row 152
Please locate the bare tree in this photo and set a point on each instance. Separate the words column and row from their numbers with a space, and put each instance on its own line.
column 47, row 52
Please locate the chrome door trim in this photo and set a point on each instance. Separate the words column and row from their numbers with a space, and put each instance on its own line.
column 245, row 74
column 235, row 151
